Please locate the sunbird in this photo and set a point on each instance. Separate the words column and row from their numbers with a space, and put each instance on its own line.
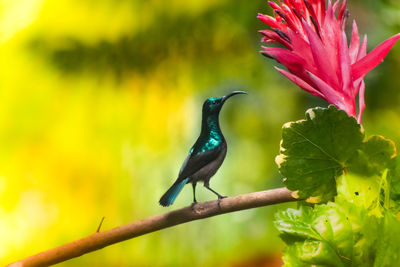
column 206, row 155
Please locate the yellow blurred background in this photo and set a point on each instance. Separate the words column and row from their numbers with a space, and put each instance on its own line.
column 101, row 100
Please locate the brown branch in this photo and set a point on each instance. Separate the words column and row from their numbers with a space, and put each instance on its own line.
column 199, row 211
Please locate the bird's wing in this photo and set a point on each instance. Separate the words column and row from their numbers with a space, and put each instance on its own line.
column 195, row 162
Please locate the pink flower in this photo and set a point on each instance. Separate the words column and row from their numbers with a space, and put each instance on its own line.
column 316, row 53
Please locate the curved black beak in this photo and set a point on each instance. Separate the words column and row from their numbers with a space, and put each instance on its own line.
column 232, row 94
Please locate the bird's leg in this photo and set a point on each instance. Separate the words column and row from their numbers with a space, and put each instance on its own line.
column 206, row 185
column 194, row 192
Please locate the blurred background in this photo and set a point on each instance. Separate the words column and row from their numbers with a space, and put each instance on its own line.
column 100, row 101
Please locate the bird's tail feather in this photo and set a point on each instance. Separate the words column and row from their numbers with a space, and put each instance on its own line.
column 169, row 197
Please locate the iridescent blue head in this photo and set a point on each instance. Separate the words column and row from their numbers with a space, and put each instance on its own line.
column 213, row 105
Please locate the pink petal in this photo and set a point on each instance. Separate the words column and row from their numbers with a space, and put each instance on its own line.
column 303, row 85
column 345, row 67
column 342, row 10
column 312, row 12
column 273, row 5
column 269, row 20
column 302, row 48
column 331, row 37
column 287, row 58
column 361, row 101
column 288, row 18
column 297, row 5
column 288, row 3
column 362, row 52
column 321, row 5
column 294, row 20
column 271, row 36
column 330, row 94
column 322, row 63
column 335, row 6
column 354, row 43
column 298, row 14
column 329, row 11
column 376, row 56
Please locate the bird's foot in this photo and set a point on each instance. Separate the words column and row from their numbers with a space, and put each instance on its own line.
column 193, row 204
column 219, row 200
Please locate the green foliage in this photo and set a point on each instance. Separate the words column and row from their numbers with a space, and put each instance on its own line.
column 315, row 151
column 338, row 234
column 316, row 236
column 374, row 156
column 325, row 155
column 394, row 177
column 388, row 245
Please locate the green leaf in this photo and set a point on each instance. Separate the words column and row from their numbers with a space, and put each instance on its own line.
column 365, row 232
column 388, row 245
column 394, row 180
column 320, row 236
column 339, row 234
column 315, row 151
column 311, row 253
column 373, row 157
column 367, row 183
column 290, row 257
column 294, row 225
column 363, row 192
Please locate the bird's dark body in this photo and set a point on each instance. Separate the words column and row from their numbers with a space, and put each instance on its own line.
column 206, row 155
column 208, row 171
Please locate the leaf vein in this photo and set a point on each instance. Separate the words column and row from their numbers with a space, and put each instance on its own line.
column 317, row 146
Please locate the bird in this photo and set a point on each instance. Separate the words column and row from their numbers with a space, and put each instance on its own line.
column 206, row 155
